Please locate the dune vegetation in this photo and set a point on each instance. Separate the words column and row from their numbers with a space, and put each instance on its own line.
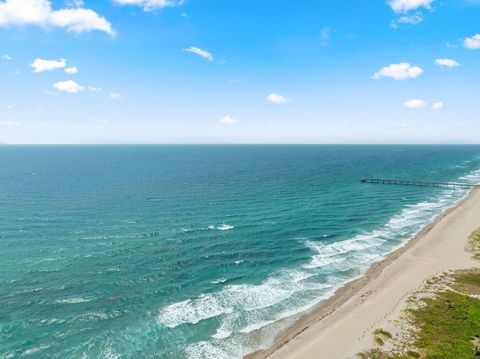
column 441, row 325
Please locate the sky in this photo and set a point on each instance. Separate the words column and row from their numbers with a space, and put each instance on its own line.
column 239, row 71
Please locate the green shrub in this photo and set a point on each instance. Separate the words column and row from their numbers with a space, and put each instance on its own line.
column 379, row 340
column 383, row 333
column 474, row 243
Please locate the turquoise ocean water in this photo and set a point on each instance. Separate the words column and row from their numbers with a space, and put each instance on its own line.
column 197, row 251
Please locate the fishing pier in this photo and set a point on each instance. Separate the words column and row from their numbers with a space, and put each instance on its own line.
column 374, row 180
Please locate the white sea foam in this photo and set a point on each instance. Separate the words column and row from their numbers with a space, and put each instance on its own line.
column 51, row 321
column 45, row 260
column 222, row 333
column 206, row 350
column 27, row 290
column 472, row 177
column 94, row 316
column 267, row 307
column 234, row 297
column 219, row 281
column 322, row 261
column 225, row 227
column 192, row 311
column 73, row 300
column 34, row 350
column 409, row 221
column 110, row 354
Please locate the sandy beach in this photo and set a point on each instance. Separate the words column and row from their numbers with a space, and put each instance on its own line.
column 342, row 326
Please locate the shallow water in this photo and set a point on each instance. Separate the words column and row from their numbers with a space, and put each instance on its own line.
column 197, row 251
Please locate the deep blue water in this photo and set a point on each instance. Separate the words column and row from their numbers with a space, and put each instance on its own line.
column 196, row 251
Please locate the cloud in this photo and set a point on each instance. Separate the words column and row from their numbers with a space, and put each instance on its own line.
column 68, row 86
column 149, row 5
column 94, row 89
column 276, row 98
column 472, row 42
column 7, row 57
column 71, row 70
column 408, row 19
column 200, row 52
column 41, row 65
column 227, row 120
column 40, row 13
column 115, row 95
column 447, row 63
column 10, row 123
column 438, row 106
column 75, row 3
column 414, row 104
column 401, row 71
column 407, row 5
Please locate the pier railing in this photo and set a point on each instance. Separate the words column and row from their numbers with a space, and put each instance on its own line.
column 419, row 183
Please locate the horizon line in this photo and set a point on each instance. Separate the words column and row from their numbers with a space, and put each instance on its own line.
column 239, row 144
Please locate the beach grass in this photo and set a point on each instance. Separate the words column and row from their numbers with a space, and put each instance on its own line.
column 379, row 340
column 445, row 325
column 474, row 243
column 448, row 325
column 383, row 333
column 379, row 354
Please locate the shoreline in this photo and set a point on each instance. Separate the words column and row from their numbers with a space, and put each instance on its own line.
column 307, row 337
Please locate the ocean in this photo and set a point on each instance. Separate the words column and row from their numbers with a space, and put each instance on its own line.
column 197, row 251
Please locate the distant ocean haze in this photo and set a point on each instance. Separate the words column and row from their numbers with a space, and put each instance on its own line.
column 197, row 251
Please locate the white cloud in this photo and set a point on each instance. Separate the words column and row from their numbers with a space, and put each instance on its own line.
column 408, row 19
column 94, row 89
column 438, row 106
column 80, row 20
column 401, row 71
column 447, row 63
column 276, row 98
column 115, row 95
column 7, row 57
column 472, row 42
column 149, row 5
column 42, row 65
column 10, row 123
column 200, row 52
column 414, row 104
column 71, row 70
column 68, row 86
column 408, row 5
column 227, row 120
column 40, row 13
column 75, row 3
